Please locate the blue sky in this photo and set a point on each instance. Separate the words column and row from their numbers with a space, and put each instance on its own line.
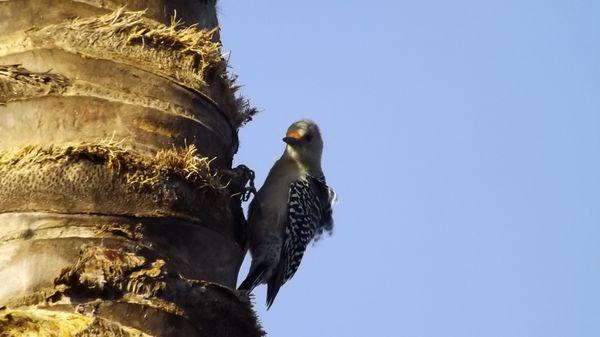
column 463, row 138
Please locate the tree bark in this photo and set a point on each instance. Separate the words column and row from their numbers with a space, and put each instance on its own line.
column 119, row 210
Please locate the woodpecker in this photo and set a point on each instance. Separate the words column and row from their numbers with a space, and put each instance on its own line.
column 292, row 208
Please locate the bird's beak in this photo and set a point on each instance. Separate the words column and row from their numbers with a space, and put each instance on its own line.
column 293, row 138
column 291, row 141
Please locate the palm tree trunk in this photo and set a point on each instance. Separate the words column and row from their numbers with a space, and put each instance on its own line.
column 119, row 213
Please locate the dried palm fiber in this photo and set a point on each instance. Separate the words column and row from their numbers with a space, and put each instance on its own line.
column 150, row 115
column 180, row 53
column 21, row 14
column 49, row 323
column 109, row 179
column 140, row 171
column 17, row 82
column 184, row 54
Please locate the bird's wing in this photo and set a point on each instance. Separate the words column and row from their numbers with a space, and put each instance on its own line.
column 304, row 216
column 327, row 198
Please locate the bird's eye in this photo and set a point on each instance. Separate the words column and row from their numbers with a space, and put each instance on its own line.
column 308, row 137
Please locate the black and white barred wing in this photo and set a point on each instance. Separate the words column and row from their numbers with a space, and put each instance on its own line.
column 308, row 216
column 327, row 198
column 304, row 216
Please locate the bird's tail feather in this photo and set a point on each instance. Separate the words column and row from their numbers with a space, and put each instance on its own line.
column 275, row 283
column 254, row 277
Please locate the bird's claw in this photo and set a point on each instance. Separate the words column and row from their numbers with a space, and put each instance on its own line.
column 250, row 189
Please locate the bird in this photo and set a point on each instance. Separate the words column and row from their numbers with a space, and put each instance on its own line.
column 291, row 209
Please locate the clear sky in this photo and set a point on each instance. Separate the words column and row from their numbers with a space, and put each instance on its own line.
column 463, row 138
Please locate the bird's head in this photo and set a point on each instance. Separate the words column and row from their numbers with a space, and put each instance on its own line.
column 304, row 141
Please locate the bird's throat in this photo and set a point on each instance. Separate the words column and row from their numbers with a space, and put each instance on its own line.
column 305, row 167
